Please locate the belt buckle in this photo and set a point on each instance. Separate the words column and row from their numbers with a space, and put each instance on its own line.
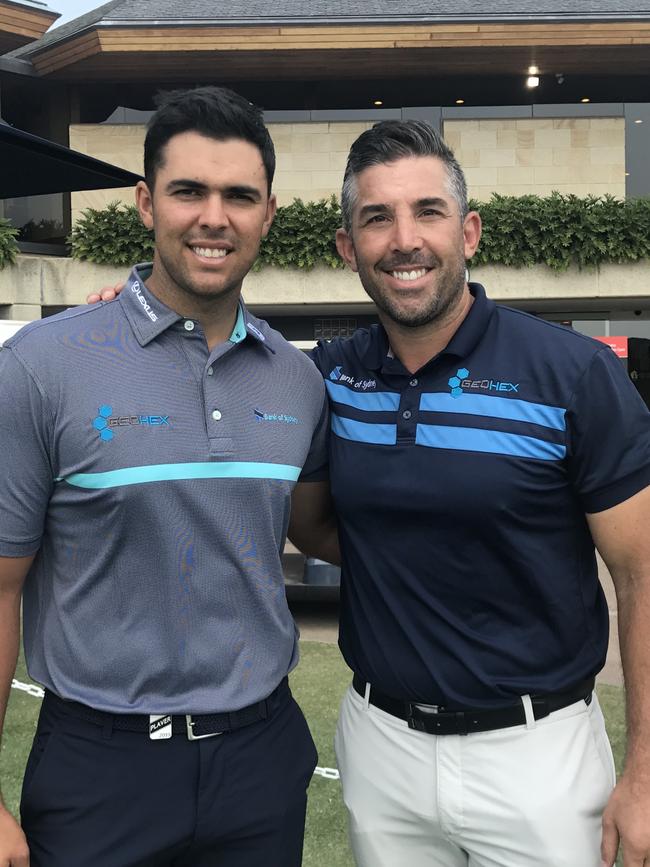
column 425, row 710
column 189, row 723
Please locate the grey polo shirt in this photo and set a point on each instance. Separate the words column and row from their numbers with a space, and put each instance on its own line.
column 154, row 478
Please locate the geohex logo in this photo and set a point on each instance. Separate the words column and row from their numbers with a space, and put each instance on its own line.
column 461, row 382
column 105, row 422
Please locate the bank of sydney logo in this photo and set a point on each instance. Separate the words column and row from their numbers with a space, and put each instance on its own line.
column 337, row 375
column 274, row 416
column 461, row 382
column 105, row 422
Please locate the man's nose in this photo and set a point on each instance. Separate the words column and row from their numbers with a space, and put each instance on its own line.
column 406, row 234
column 213, row 212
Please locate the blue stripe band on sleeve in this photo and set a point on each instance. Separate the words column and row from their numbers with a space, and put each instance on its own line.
column 496, row 442
column 372, row 401
column 496, row 407
column 359, row 431
column 183, row 472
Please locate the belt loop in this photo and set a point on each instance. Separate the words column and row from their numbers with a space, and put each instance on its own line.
column 366, row 697
column 528, row 710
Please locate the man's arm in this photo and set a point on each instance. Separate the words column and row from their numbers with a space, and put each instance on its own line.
column 13, row 845
column 622, row 536
column 312, row 527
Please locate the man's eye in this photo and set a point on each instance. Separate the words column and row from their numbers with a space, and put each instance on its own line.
column 187, row 194
column 430, row 212
column 377, row 218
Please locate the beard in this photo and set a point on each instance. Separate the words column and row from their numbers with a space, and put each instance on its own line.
column 440, row 299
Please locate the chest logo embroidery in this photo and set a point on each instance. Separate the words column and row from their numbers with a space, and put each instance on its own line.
column 105, row 422
column 461, row 382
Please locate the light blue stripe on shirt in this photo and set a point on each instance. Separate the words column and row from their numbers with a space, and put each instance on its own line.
column 183, row 472
column 371, row 401
column 468, row 439
column 359, row 431
column 496, row 407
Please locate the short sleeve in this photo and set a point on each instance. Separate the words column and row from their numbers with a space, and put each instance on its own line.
column 27, row 480
column 608, row 435
column 315, row 468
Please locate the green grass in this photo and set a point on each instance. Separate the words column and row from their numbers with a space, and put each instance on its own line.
column 318, row 684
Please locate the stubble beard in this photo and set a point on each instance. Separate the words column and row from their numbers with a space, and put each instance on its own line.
column 449, row 288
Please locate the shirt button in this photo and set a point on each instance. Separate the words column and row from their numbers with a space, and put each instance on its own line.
column 210, row 370
column 406, row 414
column 189, row 325
column 413, row 382
column 216, row 415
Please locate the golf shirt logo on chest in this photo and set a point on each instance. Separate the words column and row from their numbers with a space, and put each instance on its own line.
column 461, row 381
column 105, row 422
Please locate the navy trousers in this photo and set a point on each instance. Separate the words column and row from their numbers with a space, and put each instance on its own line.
column 97, row 797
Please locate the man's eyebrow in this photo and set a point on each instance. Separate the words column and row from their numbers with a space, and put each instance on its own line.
column 368, row 210
column 185, row 184
column 244, row 190
column 432, row 202
column 235, row 189
column 382, row 208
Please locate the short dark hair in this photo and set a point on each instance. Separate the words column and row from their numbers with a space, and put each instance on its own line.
column 215, row 112
column 391, row 140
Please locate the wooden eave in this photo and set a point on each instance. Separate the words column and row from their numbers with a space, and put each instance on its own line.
column 238, row 52
column 20, row 25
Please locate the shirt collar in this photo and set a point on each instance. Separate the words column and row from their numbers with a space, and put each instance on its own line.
column 463, row 342
column 149, row 317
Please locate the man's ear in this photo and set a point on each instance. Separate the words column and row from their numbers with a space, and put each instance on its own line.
column 471, row 233
column 144, row 203
column 271, row 209
column 346, row 248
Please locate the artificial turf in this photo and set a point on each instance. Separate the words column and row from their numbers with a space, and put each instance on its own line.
column 318, row 684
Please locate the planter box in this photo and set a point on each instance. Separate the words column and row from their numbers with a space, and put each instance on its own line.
column 38, row 280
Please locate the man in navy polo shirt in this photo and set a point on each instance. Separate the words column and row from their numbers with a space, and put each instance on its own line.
column 151, row 447
column 477, row 455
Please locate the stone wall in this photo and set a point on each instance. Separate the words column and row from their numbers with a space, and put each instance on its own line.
column 539, row 155
column 513, row 157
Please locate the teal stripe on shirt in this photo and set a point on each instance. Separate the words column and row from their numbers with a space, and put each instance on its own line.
column 182, row 472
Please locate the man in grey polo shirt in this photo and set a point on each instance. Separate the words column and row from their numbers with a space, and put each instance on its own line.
column 151, row 450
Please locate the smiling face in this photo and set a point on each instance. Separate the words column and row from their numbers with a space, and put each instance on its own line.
column 408, row 242
column 209, row 210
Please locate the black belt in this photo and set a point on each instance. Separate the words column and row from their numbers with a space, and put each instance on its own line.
column 436, row 720
column 194, row 727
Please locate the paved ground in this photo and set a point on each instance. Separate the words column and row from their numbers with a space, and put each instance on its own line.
column 317, row 617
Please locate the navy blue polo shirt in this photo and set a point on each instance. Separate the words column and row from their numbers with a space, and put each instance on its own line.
column 469, row 573
column 152, row 477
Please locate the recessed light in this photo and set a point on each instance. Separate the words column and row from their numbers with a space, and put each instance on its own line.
column 533, row 70
column 460, row 102
column 638, row 121
column 627, row 174
column 378, row 102
column 532, row 81
column 585, row 99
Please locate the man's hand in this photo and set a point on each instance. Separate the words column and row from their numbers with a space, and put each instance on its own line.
column 14, row 851
column 627, row 820
column 106, row 293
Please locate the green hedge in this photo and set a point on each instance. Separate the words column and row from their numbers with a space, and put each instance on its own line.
column 556, row 230
column 8, row 245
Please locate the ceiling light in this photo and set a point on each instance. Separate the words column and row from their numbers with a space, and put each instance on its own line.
column 638, row 121
column 460, row 102
column 585, row 99
column 378, row 102
column 532, row 81
column 533, row 70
